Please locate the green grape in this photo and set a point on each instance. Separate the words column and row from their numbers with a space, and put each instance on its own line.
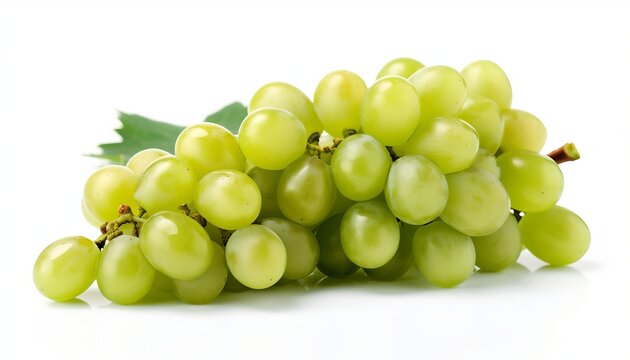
column 108, row 188
column 206, row 288
column 338, row 100
column 124, row 275
column 441, row 90
column 450, row 143
column 232, row 285
column 301, row 245
column 228, row 199
column 161, row 282
column 333, row 261
column 165, row 185
column 306, row 191
column 500, row 249
column 287, row 97
column 390, row 111
column 272, row 138
column 143, row 158
column 66, row 268
column 359, row 166
column 341, row 205
column 486, row 78
column 486, row 161
column 369, row 234
column 416, row 190
column 402, row 260
column 214, row 233
column 484, row 115
column 207, row 147
column 557, row 235
column 267, row 181
column 256, row 256
column 403, row 67
column 477, row 202
column 176, row 245
column 523, row 131
column 89, row 217
column 534, row 181
column 445, row 256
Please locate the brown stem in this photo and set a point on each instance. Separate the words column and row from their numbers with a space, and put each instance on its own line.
column 567, row 152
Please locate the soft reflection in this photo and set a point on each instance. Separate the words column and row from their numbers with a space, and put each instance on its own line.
column 70, row 304
column 511, row 276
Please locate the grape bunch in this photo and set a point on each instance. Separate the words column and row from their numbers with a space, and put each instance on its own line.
column 428, row 165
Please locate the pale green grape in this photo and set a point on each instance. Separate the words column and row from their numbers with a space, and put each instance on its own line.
column 485, row 116
column 108, row 188
column 176, row 245
column 165, row 185
column 306, row 191
column 66, row 268
column 301, row 245
column 500, row 249
column 369, row 234
column 228, row 199
column 404, row 67
column 162, row 282
column 124, row 275
column 341, row 205
column 416, row 190
column 445, row 256
column 333, row 261
column 272, row 138
column 232, row 285
column 557, row 236
column 207, row 147
column 534, row 181
column 359, row 166
column 338, row 100
column 477, row 202
column 523, row 131
column 390, row 111
column 486, row 78
column 450, row 143
column 89, row 217
column 206, row 288
column 143, row 158
column 486, row 161
column 214, row 233
column 441, row 90
column 402, row 260
column 256, row 256
column 288, row 97
column 267, row 182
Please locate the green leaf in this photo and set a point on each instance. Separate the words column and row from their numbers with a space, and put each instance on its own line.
column 230, row 116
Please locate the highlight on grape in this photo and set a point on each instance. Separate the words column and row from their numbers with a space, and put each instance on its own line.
column 428, row 166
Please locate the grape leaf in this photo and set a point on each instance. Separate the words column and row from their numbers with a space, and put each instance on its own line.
column 230, row 116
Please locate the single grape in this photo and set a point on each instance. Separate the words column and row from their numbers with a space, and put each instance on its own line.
column 403, row 67
column 477, row 202
column 486, row 78
column 206, row 288
column 267, row 182
column 306, row 191
column 369, row 234
column 485, row 116
column 449, row 142
column 228, row 199
column 523, row 131
column 165, row 185
column 256, row 256
column 301, row 245
column 286, row 96
column 272, row 138
column 486, row 161
column 416, row 190
column 108, row 188
column 333, row 261
column 445, row 256
column 534, row 181
column 208, row 147
column 124, row 275
column 338, row 100
column 557, row 235
column 500, row 249
column 143, row 158
column 390, row 111
column 66, row 268
column 441, row 90
column 176, row 245
column 359, row 167
column 402, row 260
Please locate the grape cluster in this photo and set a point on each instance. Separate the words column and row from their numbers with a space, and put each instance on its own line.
column 428, row 165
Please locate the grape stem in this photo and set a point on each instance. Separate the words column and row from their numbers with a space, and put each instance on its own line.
column 111, row 229
column 566, row 152
column 314, row 149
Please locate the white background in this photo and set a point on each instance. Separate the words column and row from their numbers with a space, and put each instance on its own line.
column 65, row 68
